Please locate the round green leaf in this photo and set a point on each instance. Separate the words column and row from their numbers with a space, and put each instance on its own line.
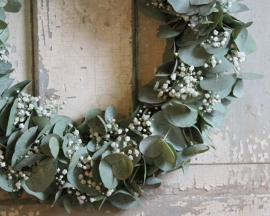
column 148, row 95
column 249, row 76
column 195, row 149
column 122, row 166
column 151, row 146
column 217, row 84
column 180, row 115
column 167, row 154
column 194, row 55
column 123, row 200
column 42, row 175
column 13, row 6
column 238, row 89
column 106, row 175
column 110, row 113
column 54, row 146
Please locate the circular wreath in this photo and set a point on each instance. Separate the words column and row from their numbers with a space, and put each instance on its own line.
column 61, row 163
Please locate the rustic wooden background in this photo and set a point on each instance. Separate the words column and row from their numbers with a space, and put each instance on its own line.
column 82, row 51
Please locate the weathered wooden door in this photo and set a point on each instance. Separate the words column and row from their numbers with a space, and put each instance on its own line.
column 94, row 53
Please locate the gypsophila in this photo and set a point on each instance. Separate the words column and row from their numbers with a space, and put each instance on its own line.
column 51, row 108
column 218, row 39
column 182, row 84
column 4, row 54
column 141, row 123
column 208, row 102
column 236, row 57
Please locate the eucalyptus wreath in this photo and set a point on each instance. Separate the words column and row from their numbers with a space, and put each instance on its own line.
column 50, row 157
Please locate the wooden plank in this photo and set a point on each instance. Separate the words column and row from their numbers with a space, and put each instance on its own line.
column 223, row 205
column 204, row 188
column 85, row 54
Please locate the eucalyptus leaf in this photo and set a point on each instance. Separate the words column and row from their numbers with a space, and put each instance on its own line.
column 67, row 202
column 28, row 161
column 13, row 6
column 167, row 33
column 217, row 84
column 250, row 46
column 49, row 146
column 122, row 166
column 249, row 76
column 97, row 155
column 151, row 146
column 6, row 183
column 72, row 176
column 106, row 175
column 93, row 113
column 3, row 3
column 123, row 200
column 13, row 114
column 180, row 115
column 40, row 195
column 13, row 138
column 4, row 35
column 193, row 135
column 3, row 24
column 163, row 164
column 154, row 180
column 241, row 39
column 148, row 95
column 41, row 122
column 174, row 135
column 23, row 144
column 182, row 6
column 195, row 149
column 42, row 175
column 200, row 2
column 238, row 89
column 54, row 146
column 167, row 154
column 110, row 113
column 194, row 55
column 237, row 7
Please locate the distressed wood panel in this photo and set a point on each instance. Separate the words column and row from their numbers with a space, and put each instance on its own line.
column 233, row 180
column 223, row 205
column 85, row 54
column 244, row 138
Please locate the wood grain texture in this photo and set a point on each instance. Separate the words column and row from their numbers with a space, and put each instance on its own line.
column 85, row 54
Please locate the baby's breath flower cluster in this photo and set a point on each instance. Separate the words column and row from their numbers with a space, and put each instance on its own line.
column 208, row 102
column 61, row 177
column 50, row 109
column 213, row 62
column 4, row 54
column 113, row 131
column 182, row 84
column 141, row 123
column 74, row 144
column 2, row 159
column 17, row 176
column 218, row 39
column 236, row 57
column 26, row 105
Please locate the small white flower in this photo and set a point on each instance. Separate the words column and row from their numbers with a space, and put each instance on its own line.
column 76, row 132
